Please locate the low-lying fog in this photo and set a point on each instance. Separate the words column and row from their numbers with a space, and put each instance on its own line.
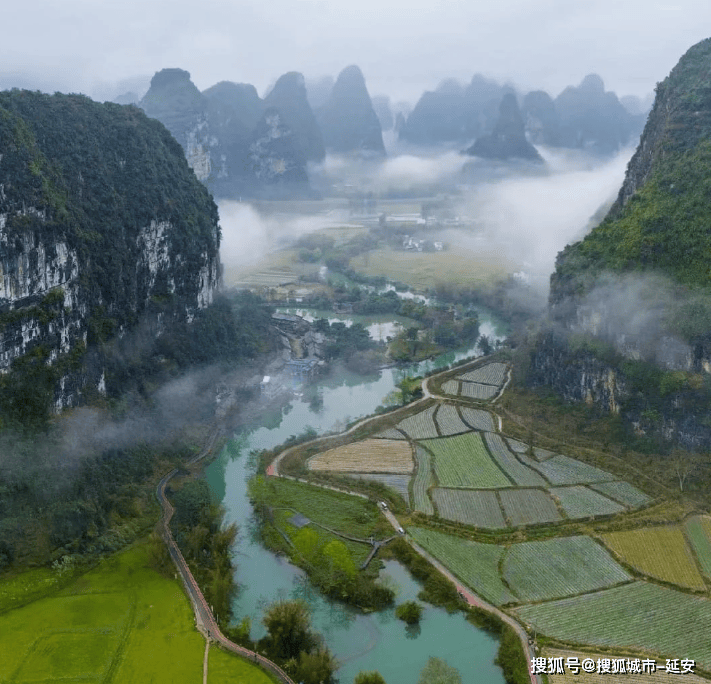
column 526, row 213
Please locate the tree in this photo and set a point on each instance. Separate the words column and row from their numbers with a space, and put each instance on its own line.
column 484, row 345
column 685, row 464
column 373, row 677
column 409, row 612
column 438, row 672
column 289, row 627
column 315, row 668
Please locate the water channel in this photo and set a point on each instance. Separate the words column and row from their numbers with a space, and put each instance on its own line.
column 377, row 641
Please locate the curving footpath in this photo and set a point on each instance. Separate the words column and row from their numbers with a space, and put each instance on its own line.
column 470, row 597
column 204, row 619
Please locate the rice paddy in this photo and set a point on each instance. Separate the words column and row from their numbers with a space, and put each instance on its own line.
column 421, row 425
column 463, row 461
column 489, row 374
column 475, row 564
column 422, row 481
column 518, row 472
column 660, row 552
column 449, row 422
column 479, row 508
column 559, row 567
column 580, row 502
column 473, row 390
column 528, row 506
column 368, row 456
column 639, row 616
column 698, row 530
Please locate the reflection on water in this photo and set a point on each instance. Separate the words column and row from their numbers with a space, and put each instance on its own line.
column 377, row 641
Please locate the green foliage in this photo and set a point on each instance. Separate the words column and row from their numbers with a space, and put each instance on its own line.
column 289, row 630
column 438, row 672
column 409, row 612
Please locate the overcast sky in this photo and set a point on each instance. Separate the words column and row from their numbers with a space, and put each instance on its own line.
column 402, row 46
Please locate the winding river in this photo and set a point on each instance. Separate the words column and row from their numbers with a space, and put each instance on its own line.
column 376, row 641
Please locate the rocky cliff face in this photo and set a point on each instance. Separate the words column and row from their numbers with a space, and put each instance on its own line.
column 347, row 119
column 633, row 299
column 102, row 226
column 222, row 129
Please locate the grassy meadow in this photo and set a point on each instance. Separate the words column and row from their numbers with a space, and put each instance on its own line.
column 120, row 622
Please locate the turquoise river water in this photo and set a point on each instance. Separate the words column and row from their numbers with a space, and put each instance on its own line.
column 376, row 641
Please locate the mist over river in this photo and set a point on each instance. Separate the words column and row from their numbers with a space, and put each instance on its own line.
column 377, row 641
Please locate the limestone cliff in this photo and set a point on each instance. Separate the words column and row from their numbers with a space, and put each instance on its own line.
column 633, row 298
column 102, row 226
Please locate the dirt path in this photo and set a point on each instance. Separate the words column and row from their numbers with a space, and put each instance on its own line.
column 204, row 619
column 470, row 597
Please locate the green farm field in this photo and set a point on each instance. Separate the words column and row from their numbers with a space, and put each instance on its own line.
column 698, row 530
column 660, row 552
column 640, row 616
column 423, row 270
column 347, row 514
column 463, row 461
column 476, row 564
column 121, row 622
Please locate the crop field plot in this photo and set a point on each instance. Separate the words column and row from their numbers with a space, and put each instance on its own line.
column 580, row 502
column 542, row 454
column 660, row 676
column 562, row 470
column 478, row 508
column 660, row 552
column 422, row 481
column 224, row 668
column 639, row 615
column 473, row 390
column 399, row 483
column 463, row 461
column 560, row 567
column 449, row 422
column 698, row 530
column 528, row 506
column 518, row 472
column 624, row 492
column 475, row 564
column 390, row 433
column 348, row 514
column 490, row 374
column 451, row 387
column 72, row 655
column 367, row 456
column 477, row 419
column 421, row 425
column 121, row 622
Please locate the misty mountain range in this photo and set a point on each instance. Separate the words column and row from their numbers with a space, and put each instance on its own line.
column 242, row 145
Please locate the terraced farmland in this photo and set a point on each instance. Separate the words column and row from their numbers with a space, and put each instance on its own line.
column 421, row 425
column 624, row 492
column 518, row 472
column 477, row 419
column 449, row 421
column 638, row 615
column 660, row 676
column 422, row 482
column 528, row 506
column 698, row 529
column 474, row 390
column 475, row 564
column 368, row 456
column 555, row 568
column 660, row 552
column 489, row 374
column 479, row 508
column 562, row 470
column 463, row 461
column 580, row 502
column 398, row 483
column 451, row 387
